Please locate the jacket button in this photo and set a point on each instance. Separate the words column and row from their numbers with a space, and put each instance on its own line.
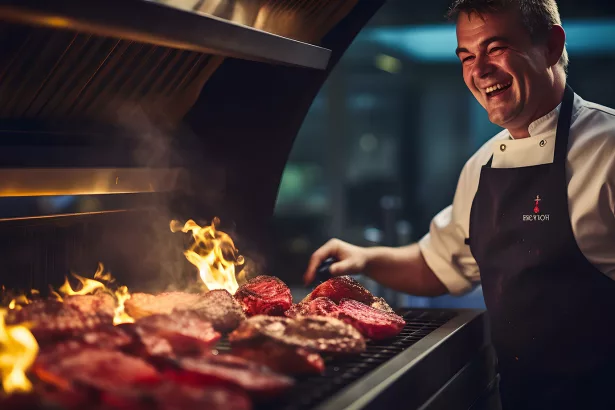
column 503, row 147
column 543, row 143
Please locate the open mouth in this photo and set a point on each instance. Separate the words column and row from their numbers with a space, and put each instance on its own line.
column 497, row 89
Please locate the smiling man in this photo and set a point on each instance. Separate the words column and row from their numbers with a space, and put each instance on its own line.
column 533, row 217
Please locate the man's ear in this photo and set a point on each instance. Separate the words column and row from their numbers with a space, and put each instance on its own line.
column 556, row 42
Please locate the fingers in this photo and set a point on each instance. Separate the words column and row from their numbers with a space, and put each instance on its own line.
column 327, row 250
column 344, row 267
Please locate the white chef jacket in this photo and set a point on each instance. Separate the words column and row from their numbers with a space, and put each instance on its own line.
column 590, row 171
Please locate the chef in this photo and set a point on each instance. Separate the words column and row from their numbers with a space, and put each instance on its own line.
column 532, row 219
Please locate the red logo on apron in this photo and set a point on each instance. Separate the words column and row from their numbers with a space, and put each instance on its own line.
column 536, row 201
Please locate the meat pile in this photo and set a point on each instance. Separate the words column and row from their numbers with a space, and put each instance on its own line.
column 345, row 299
column 167, row 358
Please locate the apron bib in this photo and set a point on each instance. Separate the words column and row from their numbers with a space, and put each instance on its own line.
column 552, row 313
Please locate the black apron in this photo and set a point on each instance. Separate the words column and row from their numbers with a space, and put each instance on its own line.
column 552, row 313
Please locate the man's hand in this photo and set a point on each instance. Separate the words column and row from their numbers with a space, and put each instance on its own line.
column 351, row 259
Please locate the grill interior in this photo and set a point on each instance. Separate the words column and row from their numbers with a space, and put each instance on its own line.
column 339, row 373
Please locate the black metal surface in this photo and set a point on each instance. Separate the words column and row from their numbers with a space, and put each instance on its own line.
column 339, row 373
column 149, row 22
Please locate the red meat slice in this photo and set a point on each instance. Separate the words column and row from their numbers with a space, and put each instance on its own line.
column 227, row 370
column 373, row 323
column 264, row 295
column 345, row 287
column 282, row 358
column 318, row 307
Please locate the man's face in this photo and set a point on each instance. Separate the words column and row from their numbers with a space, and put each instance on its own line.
column 504, row 70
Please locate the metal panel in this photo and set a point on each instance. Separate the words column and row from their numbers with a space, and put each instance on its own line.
column 149, row 22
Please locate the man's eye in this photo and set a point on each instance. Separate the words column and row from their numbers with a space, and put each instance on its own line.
column 467, row 59
column 495, row 51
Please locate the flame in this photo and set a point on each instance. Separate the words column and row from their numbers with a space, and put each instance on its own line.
column 91, row 286
column 18, row 350
column 213, row 253
column 120, row 316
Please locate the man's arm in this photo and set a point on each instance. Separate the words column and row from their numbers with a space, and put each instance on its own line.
column 403, row 269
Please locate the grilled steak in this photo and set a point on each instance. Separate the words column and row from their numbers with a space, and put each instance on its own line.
column 314, row 333
column 373, row 323
column 220, row 309
column 180, row 333
column 52, row 320
column 344, row 287
column 231, row 371
column 143, row 304
column 89, row 304
column 282, row 358
column 107, row 337
column 264, row 295
column 99, row 369
column 173, row 396
column 318, row 307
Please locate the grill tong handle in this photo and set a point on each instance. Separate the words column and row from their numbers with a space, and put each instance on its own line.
column 322, row 272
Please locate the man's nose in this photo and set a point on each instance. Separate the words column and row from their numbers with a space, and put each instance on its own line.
column 482, row 67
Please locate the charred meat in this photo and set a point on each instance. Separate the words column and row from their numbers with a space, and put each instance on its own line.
column 51, row 320
column 220, row 309
column 264, row 295
column 314, row 333
column 102, row 303
column 373, row 323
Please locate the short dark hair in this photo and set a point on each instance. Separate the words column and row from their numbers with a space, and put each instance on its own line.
column 537, row 16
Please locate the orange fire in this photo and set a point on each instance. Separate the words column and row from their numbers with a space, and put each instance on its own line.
column 92, row 286
column 213, row 253
column 18, row 350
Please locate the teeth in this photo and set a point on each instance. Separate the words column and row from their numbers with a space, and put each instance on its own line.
column 496, row 87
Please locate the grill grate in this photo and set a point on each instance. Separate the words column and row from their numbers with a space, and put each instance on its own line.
column 339, row 373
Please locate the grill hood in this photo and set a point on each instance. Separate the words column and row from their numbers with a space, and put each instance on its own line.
column 179, row 109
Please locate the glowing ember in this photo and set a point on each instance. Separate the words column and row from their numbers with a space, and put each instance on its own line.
column 213, row 253
column 18, row 350
column 92, row 286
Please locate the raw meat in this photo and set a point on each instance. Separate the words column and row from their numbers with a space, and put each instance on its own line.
column 373, row 323
column 264, row 295
column 314, row 333
column 227, row 370
column 180, row 333
column 282, row 358
column 220, row 309
column 143, row 304
column 344, row 287
column 50, row 320
column 90, row 304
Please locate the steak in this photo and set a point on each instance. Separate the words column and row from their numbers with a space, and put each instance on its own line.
column 172, row 396
column 144, row 304
column 230, row 371
column 345, row 287
column 282, row 358
column 313, row 333
column 217, row 307
column 100, row 369
column 50, row 320
column 220, row 309
column 320, row 306
column 264, row 295
column 180, row 333
column 373, row 323
column 107, row 337
column 90, row 304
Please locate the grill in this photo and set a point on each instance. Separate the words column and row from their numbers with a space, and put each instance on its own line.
column 112, row 125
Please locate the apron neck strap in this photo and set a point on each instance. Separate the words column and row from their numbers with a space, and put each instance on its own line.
column 563, row 129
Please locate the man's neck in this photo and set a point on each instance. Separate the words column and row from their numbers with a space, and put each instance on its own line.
column 551, row 102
